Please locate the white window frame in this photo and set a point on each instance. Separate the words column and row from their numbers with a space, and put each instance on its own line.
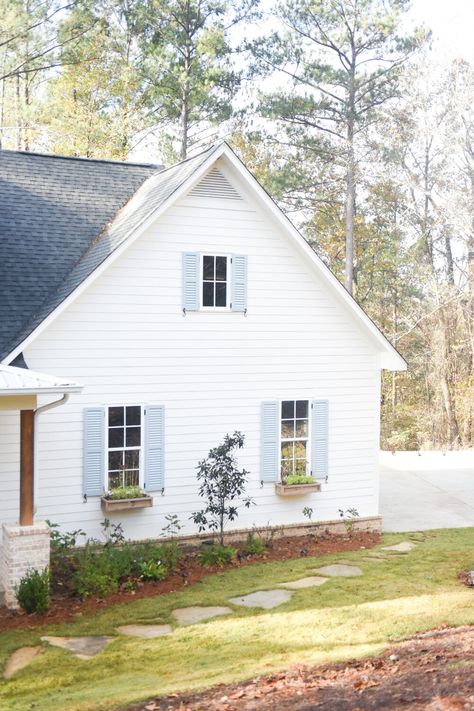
column 308, row 438
column 228, row 282
column 141, row 455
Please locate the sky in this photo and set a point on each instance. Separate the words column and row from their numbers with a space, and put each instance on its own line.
column 452, row 24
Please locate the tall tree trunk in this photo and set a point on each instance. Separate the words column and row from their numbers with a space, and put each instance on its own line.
column 445, row 382
column 350, row 175
column 350, row 207
column 18, row 112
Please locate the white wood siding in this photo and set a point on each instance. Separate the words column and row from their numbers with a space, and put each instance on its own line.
column 128, row 342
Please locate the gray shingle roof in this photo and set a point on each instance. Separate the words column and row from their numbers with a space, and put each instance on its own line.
column 59, row 219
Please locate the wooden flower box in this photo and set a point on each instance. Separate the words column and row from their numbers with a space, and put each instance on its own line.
column 296, row 489
column 112, row 505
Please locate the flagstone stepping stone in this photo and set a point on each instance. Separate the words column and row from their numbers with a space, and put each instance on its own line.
column 145, row 631
column 263, row 598
column 191, row 615
column 339, row 570
column 403, row 547
column 81, row 647
column 302, row 583
column 20, row 659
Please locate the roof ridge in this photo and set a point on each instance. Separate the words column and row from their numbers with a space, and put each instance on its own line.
column 36, row 154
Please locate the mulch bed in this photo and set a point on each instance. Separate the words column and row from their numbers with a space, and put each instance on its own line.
column 433, row 671
column 190, row 572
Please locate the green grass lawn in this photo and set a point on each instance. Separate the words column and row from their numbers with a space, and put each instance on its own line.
column 346, row 617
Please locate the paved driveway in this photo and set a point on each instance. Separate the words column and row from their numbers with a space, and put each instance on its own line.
column 430, row 490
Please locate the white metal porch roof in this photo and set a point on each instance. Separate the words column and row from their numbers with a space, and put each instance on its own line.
column 20, row 381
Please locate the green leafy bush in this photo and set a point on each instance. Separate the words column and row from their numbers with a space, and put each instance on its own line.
column 125, row 492
column 298, row 479
column 216, row 555
column 33, row 592
column 93, row 583
column 100, row 568
column 63, row 541
column 254, row 545
column 153, row 570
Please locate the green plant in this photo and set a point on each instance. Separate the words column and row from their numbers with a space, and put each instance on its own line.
column 125, row 492
column 32, row 593
column 254, row 545
column 63, row 542
column 292, row 479
column 113, row 532
column 308, row 512
column 216, row 555
column 221, row 482
column 90, row 582
column 348, row 516
column 173, row 527
column 153, row 570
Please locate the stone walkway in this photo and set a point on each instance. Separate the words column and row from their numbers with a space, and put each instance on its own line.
column 88, row 647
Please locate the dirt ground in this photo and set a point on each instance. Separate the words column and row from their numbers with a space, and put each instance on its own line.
column 189, row 572
column 433, row 671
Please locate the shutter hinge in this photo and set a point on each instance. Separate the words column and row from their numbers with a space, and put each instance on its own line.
column 163, row 491
column 184, row 312
column 85, row 498
column 231, row 304
column 261, row 483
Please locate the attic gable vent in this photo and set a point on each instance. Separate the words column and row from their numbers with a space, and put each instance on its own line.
column 215, row 185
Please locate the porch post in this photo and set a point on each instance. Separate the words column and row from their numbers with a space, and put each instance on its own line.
column 27, row 443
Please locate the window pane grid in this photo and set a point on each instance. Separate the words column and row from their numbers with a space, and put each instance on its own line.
column 294, row 437
column 124, row 445
column 214, row 281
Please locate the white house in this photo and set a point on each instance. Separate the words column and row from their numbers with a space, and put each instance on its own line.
column 172, row 307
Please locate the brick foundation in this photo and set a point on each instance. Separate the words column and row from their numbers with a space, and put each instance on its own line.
column 24, row 548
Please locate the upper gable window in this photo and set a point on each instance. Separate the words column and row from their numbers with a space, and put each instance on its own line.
column 215, row 281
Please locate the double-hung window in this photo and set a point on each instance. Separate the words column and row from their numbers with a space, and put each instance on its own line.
column 215, row 281
column 124, row 446
column 294, row 437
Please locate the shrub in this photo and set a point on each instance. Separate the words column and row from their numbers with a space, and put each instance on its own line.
column 216, row 555
column 153, row 570
column 298, row 479
column 253, row 545
column 90, row 582
column 63, row 541
column 33, row 592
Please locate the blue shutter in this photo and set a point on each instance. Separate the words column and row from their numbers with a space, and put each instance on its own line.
column 94, row 450
column 191, row 281
column 270, row 440
column 154, row 448
column 319, row 439
column 239, row 282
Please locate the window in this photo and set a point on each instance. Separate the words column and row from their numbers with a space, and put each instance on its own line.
column 124, row 446
column 294, row 437
column 215, row 281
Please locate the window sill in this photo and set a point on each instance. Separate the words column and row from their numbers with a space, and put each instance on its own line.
column 296, row 489
column 111, row 505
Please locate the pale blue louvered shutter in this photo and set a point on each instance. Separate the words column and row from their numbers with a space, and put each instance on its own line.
column 319, row 438
column 190, row 281
column 239, row 283
column 154, row 448
column 270, row 440
column 94, row 451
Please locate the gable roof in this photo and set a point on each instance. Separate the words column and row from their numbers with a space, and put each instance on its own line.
column 154, row 196
column 51, row 209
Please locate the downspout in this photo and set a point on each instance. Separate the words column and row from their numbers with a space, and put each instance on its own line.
column 49, row 406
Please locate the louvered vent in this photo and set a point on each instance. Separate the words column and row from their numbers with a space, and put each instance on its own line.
column 215, row 185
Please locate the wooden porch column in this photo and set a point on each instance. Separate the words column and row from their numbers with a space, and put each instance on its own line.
column 27, row 444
